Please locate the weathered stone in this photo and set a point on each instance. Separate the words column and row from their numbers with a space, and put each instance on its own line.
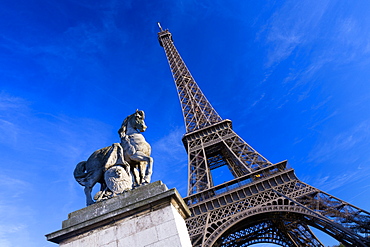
column 133, row 151
column 150, row 215
column 118, row 180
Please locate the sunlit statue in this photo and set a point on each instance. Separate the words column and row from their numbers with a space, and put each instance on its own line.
column 135, row 149
column 120, row 167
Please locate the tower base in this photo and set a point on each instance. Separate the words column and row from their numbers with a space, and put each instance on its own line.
column 149, row 216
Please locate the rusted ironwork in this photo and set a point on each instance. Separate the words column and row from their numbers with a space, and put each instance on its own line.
column 265, row 202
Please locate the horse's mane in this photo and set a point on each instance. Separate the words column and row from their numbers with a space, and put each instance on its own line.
column 122, row 130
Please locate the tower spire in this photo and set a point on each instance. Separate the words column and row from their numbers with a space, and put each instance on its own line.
column 160, row 27
column 196, row 109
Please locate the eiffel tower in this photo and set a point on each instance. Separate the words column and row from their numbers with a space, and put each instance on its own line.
column 265, row 202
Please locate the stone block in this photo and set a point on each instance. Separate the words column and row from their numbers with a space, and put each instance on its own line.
column 162, row 215
column 144, row 222
column 126, row 228
column 167, row 229
column 107, row 235
column 145, row 237
column 173, row 241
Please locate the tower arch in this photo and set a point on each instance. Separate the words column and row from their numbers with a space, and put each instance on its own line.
column 270, row 226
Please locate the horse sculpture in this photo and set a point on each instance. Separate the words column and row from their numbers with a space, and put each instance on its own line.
column 135, row 149
column 133, row 152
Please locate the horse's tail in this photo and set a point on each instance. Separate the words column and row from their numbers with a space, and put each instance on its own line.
column 80, row 173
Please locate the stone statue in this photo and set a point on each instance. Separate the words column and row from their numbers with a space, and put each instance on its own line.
column 120, row 167
column 135, row 149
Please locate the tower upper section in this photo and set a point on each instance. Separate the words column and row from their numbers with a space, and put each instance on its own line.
column 196, row 109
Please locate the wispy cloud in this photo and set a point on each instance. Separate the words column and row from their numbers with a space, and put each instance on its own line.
column 258, row 100
column 344, row 156
column 290, row 26
column 9, row 132
column 8, row 102
column 342, row 143
column 10, row 230
column 15, row 185
column 13, row 211
column 329, row 182
column 354, row 36
column 171, row 146
column 170, row 159
column 41, row 152
column 321, row 120
column 11, row 109
column 74, row 47
column 22, row 128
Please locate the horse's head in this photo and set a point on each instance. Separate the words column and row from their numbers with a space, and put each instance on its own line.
column 134, row 121
column 137, row 121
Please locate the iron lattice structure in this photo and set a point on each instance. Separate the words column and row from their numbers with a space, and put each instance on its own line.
column 265, row 202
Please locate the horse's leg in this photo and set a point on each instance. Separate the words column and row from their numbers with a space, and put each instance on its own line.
column 87, row 191
column 102, row 186
column 136, row 181
column 148, row 171
column 140, row 156
column 142, row 165
column 140, row 171
column 93, row 177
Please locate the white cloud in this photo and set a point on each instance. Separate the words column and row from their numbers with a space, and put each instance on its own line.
column 170, row 160
column 320, row 121
column 13, row 187
column 290, row 26
column 329, row 183
column 27, row 131
column 5, row 230
column 354, row 35
column 11, row 109
column 9, row 132
column 342, row 143
column 13, row 211
column 344, row 158
column 257, row 101
column 39, row 153
column 363, row 190
column 8, row 102
column 170, row 145
column 72, row 48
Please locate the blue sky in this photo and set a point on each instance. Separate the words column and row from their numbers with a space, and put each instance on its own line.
column 293, row 76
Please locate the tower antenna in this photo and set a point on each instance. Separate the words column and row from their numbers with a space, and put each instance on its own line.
column 159, row 25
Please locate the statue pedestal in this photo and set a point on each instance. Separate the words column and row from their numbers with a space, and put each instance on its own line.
column 150, row 216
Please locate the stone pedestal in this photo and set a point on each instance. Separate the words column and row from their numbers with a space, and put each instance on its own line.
column 149, row 216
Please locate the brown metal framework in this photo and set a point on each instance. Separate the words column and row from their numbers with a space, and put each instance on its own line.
column 265, row 202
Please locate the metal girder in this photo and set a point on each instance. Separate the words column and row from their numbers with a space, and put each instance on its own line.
column 265, row 202
column 300, row 233
column 279, row 196
column 196, row 109
column 277, row 231
column 263, row 232
column 211, row 145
